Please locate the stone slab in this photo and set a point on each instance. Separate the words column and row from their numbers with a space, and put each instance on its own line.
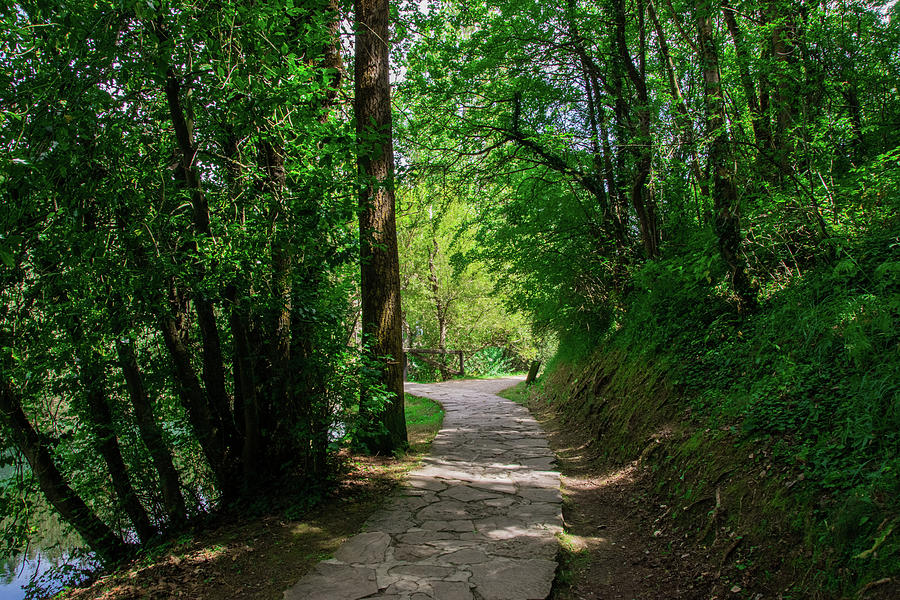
column 476, row 521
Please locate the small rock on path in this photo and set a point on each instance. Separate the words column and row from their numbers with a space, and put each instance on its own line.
column 478, row 521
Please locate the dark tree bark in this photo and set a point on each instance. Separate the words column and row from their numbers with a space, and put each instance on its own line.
column 152, row 435
column 245, row 392
column 721, row 164
column 99, row 419
column 108, row 546
column 316, row 412
column 272, row 161
column 381, row 315
column 684, row 120
column 213, row 360
column 786, row 92
column 173, row 325
column 204, row 424
column 760, row 125
column 610, row 199
column 92, row 405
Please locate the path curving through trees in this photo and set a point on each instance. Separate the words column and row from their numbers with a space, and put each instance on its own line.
column 477, row 521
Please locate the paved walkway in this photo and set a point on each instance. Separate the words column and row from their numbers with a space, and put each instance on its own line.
column 478, row 521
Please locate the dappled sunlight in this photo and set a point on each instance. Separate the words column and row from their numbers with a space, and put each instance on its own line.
column 481, row 513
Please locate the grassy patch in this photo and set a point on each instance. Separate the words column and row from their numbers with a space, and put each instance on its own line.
column 423, row 420
column 518, row 393
column 573, row 558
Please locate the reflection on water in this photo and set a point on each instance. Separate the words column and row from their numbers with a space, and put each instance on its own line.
column 53, row 558
column 38, row 571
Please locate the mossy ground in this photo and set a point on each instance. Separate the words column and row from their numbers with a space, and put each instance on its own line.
column 718, row 513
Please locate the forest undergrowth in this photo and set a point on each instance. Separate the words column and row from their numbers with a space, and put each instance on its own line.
column 258, row 551
column 779, row 425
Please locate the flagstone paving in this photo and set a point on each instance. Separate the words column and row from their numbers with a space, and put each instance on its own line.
column 478, row 520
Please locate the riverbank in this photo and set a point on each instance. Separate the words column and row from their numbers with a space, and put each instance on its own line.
column 257, row 553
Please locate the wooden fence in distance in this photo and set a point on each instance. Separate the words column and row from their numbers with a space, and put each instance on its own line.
column 423, row 354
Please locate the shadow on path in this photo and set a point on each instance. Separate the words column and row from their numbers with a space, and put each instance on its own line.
column 478, row 521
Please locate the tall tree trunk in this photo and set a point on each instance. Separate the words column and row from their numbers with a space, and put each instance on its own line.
column 173, row 326
column 760, row 126
column 108, row 546
column 721, row 164
column 92, row 404
column 786, row 92
column 245, row 392
column 100, row 421
column 152, row 435
column 439, row 308
column 643, row 203
column 205, row 425
column 684, row 120
column 272, row 162
column 213, row 360
column 317, row 415
column 380, row 263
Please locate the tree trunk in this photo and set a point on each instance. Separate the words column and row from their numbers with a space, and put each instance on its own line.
column 786, row 92
column 99, row 419
column 760, row 126
column 152, row 435
column 271, row 160
column 685, row 122
column 439, row 308
column 108, row 546
column 643, row 204
column 173, row 327
column 380, row 263
column 201, row 417
column 213, row 360
column 721, row 164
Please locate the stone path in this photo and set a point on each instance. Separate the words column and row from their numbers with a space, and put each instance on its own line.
column 478, row 521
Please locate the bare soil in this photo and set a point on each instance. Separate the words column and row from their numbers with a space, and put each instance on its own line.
column 620, row 540
column 258, row 557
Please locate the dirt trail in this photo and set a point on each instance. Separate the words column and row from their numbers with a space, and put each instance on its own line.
column 619, row 542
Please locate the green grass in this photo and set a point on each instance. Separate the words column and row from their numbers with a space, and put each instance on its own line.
column 518, row 393
column 423, row 420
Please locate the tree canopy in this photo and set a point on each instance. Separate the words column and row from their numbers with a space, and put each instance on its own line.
column 200, row 279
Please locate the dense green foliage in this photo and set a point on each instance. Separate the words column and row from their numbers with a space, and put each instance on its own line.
column 450, row 296
column 708, row 186
column 178, row 260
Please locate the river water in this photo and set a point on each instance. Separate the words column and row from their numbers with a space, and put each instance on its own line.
column 48, row 558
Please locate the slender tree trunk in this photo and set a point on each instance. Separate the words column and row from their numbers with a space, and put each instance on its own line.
column 439, row 308
column 245, row 389
column 213, row 360
column 760, row 129
column 100, row 420
column 786, row 92
column 380, row 275
column 685, row 122
column 173, row 327
column 318, row 417
column 204, row 424
column 108, row 546
column 152, row 435
column 271, row 159
column 721, row 164
column 855, row 121
column 642, row 203
column 92, row 404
